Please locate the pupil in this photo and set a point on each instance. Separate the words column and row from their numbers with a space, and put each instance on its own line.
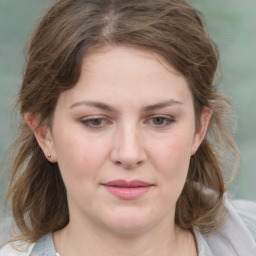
column 158, row 120
column 96, row 122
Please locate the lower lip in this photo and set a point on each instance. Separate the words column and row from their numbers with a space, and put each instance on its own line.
column 128, row 193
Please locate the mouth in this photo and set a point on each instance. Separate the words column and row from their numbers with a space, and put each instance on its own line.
column 128, row 190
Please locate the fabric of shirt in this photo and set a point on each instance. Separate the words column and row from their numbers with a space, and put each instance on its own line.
column 237, row 237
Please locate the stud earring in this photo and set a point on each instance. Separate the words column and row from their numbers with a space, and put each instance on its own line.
column 49, row 155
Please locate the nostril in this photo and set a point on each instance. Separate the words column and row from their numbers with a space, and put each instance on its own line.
column 118, row 163
column 128, row 153
column 129, row 165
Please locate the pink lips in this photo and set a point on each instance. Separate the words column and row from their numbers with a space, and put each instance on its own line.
column 128, row 189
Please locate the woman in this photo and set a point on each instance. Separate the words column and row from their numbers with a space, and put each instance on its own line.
column 122, row 136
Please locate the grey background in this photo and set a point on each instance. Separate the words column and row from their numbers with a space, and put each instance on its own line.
column 232, row 25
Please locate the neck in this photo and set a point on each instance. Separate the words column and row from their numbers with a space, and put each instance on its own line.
column 162, row 240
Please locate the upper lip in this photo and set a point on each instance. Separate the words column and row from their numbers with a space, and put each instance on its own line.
column 127, row 184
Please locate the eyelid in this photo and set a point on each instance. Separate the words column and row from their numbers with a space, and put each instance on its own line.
column 86, row 122
column 104, row 121
column 169, row 119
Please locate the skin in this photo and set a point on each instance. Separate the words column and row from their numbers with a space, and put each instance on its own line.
column 128, row 140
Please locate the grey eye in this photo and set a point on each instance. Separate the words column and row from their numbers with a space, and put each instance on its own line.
column 94, row 122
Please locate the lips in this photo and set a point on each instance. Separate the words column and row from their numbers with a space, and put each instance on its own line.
column 128, row 189
column 128, row 184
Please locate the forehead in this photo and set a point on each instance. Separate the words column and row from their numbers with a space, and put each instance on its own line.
column 118, row 74
column 109, row 58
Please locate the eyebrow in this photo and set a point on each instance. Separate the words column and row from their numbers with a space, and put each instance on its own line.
column 95, row 104
column 106, row 107
column 163, row 104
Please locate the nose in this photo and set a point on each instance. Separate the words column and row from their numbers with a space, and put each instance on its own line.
column 128, row 150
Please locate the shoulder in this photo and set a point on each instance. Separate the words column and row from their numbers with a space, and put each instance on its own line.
column 16, row 249
column 7, row 248
column 247, row 212
column 237, row 235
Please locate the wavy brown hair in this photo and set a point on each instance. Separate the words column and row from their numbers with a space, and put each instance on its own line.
column 69, row 30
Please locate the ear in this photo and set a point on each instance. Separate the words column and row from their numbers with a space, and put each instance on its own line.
column 43, row 136
column 200, row 134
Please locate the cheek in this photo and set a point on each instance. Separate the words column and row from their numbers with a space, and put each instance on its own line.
column 80, row 164
column 171, row 161
column 78, row 157
column 172, row 156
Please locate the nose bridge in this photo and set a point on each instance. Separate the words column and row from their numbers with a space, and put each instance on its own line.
column 128, row 148
column 129, row 138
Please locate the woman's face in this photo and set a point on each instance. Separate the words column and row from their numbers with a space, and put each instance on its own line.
column 123, row 138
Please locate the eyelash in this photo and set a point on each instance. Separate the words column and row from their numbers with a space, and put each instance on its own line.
column 167, row 121
column 88, row 122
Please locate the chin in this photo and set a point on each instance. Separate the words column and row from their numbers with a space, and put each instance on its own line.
column 129, row 223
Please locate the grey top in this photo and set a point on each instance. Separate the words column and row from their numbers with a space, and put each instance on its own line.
column 237, row 237
column 44, row 247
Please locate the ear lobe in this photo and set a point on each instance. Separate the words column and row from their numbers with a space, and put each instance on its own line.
column 200, row 134
column 43, row 136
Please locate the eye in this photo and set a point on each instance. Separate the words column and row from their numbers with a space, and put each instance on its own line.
column 95, row 123
column 161, row 121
